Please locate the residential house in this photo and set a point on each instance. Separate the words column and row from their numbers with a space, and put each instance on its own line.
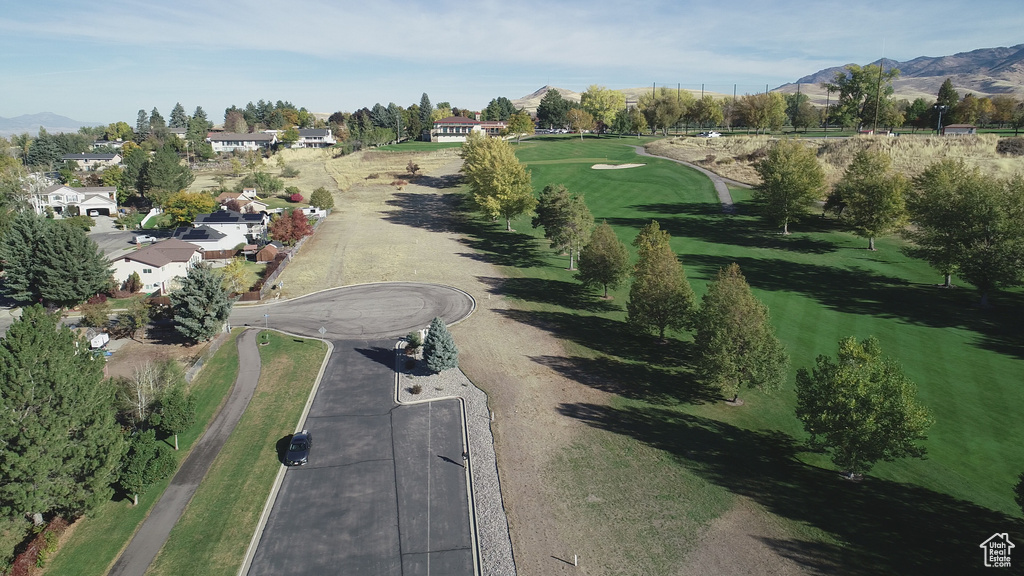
column 231, row 141
column 207, row 238
column 247, row 201
column 246, row 228
column 315, row 138
column 493, row 128
column 454, row 129
column 179, row 132
column 89, row 200
column 91, row 161
column 959, row 130
column 161, row 266
column 112, row 144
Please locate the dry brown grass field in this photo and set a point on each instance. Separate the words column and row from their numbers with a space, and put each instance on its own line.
column 734, row 156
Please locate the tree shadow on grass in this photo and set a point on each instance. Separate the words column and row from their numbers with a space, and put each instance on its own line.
column 433, row 212
column 857, row 291
column 606, row 336
column 571, row 295
column 634, row 380
column 886, row 527
column 493, row 244
column 705, row 221
column 439, row 182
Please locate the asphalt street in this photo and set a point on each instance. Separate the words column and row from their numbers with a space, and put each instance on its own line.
column 385, row 489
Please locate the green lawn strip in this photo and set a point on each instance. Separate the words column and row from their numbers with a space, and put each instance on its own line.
column 222, row 516
column 97, row 539
column 417, row 146
column 252, row 271
column 821, row 284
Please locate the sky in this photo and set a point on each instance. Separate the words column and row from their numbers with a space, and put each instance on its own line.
column 102, row 62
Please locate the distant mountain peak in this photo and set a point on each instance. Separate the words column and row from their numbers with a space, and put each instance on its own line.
column 54, row 123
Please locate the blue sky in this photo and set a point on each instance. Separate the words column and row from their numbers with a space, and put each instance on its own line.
column 103, row 61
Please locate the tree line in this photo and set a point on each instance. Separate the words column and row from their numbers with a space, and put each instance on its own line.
column 733, row 339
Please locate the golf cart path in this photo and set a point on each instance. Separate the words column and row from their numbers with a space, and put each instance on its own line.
column 721, row 183
column 144, row 546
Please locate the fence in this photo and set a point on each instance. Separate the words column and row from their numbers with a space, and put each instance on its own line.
column 220, row 254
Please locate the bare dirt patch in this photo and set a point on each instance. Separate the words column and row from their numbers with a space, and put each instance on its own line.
column 151, row 347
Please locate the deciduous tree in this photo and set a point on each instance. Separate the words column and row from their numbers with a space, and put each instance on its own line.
column 580, row 120
column 763, row 111
column 862, row 91
column 604, row 261
column 520, row 124
column 200, row 306
column 321, row 198
column 735, row 343
column 565, row 218
column 183, row 207
column 792, row 179
column 994, row 231
column 499, row 184
column 873, row 194
column 861, row 407
column 602, row 103
column 660, row 297
column 61, row 441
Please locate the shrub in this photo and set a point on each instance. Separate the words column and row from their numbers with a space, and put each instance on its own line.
column 133, row 284
column 321, row 199
column 289, row 172
column 296, row 197
column 439, row 348
column 1011, row 146
column 95, row 312
column 415, row 389
column 399, row 182
column 373, row 176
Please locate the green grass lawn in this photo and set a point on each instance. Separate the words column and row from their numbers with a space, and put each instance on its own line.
column 252, row 270
column 692, row 451
column 418, row 146
column 222, row 516
column 97, row 539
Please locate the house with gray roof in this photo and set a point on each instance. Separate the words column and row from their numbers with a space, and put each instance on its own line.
column 89, row 200
column 315, row 138
column 92, row 161
column 206, row 238
column 241, row 228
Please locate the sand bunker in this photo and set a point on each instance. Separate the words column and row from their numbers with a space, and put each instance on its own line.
column 614, row 166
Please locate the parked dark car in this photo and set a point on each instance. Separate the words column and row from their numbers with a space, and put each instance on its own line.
column 298, row 449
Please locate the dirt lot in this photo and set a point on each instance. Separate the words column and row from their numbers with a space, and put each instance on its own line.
column 381, row 233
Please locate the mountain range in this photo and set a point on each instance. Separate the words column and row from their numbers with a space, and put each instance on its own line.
column 31, row 123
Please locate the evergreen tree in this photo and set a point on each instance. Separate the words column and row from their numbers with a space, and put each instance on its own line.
column 604, row 260
column 566, row 219
column 179, row 119
column 61, row 440
column 201, row 306
column 147, row 461
column 51, row 262
column 142, row 125
column 439, row 348
column 552, row 110
column 735, row 342
column 176, row 412
column 136, row 169
column 426, row 110
column 660, row 297
column 166, row 174
column 861, row 406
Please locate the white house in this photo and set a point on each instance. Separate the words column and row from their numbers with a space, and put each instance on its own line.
column 245, row 228
column 92, row 161
column 315, row 138
column 959, row 130
column 90, row 200
column 248, row 203
column 231, row 141
column 454, row 129
column 161, row 266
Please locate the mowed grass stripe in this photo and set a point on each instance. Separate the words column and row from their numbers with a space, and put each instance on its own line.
column 220, row 520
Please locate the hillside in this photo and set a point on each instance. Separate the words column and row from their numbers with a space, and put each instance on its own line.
column 31, row 123
column 983, row 72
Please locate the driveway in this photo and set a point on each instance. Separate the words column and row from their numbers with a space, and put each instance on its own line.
column 112, row 242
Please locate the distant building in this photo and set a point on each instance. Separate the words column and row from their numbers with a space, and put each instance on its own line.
column 231, row 141
column 92, row 161
column 90, row 200
column 161, row 266
column 959, row 130
column 454, row 129
column 315, row 138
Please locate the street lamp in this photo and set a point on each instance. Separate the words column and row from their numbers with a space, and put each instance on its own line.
column 941, row 108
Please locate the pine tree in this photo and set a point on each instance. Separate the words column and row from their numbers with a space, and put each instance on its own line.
column 61, row 440
column 660, row 297
column 51, row 262
column 177, row 411
column 201, row 306
column 147, row 461
column 166, row 173
column 179, row 119
column 735, row 342
column 604, row 260
column 439, row 348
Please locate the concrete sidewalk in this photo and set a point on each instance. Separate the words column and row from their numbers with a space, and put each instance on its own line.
column 147, row 542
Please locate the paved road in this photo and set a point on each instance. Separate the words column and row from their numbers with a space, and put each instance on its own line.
column 367, row 311
column 385, row 491
column 147, row 542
